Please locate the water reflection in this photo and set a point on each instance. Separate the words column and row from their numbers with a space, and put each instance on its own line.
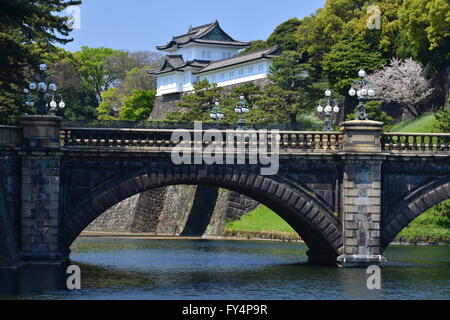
column 199, row 269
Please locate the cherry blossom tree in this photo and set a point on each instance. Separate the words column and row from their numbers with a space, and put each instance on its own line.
column 402, row 82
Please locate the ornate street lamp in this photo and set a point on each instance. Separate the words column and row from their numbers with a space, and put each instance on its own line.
column 43, row 106
column 242, row 109
column 328, row 101
column 362, row 90
column 216, row 114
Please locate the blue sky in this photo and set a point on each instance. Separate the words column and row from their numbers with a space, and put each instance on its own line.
column 142, row 24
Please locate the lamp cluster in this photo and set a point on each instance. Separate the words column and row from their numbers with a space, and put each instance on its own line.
column 361, row 89
column 328, row 101
column 242, row 109
column 216, row 113
column 43, row 91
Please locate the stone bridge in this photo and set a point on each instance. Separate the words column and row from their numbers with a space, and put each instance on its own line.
column 347, row 194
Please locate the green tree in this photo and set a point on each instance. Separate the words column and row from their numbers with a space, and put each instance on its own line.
column 138, row 105
column 346, row 57
column 291, row 93
column 443, row 121
column 427, row 27
column 284, row 35
column 197, row 105
column 25, row 26
column 92, row 64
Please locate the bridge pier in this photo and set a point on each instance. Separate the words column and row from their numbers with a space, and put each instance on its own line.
column 40, row 215
column 361, row 194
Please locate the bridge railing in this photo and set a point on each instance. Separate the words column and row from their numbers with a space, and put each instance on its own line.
column 289, row 141
column 423, row 142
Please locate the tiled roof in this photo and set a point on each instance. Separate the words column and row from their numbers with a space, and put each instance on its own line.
column 239, row 59
column 176, row 63
column 200, row 35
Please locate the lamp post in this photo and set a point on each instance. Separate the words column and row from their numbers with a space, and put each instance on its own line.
column 328, row 109
column 216, row 114
column 242, row 109
column 362, row 89
column 42, row 89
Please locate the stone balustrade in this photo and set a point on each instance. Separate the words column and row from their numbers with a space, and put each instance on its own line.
column 423, row 142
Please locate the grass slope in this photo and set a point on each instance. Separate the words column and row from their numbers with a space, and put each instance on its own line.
column 423, row 124
column 432, row 226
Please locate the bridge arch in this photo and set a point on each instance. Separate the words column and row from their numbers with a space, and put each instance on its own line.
column 413, row 205
column 307, row 214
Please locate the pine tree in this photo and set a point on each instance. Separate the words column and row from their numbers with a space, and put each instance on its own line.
column 27, row 29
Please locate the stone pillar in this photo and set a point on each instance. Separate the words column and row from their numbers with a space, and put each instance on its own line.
column 361, row 194
column 41, row 165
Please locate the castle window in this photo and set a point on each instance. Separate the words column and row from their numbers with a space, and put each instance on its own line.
column 213, row 78
column 250, row 69
column 224, row 55
column 231, row 74
column 209, row 54
column 241, row 72
column 222, row 75
column 229, row 54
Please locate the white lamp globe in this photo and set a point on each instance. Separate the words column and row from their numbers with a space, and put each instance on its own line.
column 358, row 93
column 352, row 92
column 62, row 104
column 213, row 115
column 217, row 103
column 53, row 104
column 26, row 91
column 31, row 104
column 43, row 67
column 33, row 86
column 364, row 92
column 336, row 109
column 237, row 110
column 319, row 109
column 221, row 116
column 328, row 108
column 245, row 110
column 362, row 73
column 371, row 93
column 328, row 93
column 42, row 86
column 52, row 87
column 242, row 97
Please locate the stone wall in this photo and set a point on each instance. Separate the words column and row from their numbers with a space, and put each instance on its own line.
column 176, row 210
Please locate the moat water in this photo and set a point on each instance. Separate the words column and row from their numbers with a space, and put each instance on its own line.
column 206, row 269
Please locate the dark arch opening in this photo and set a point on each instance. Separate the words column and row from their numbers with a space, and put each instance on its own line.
column 417, row 202
column 302, row 211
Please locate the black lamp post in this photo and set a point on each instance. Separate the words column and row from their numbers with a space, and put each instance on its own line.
column 42, row 89
column 328, row 109
column 216, row 114
column 242, row 109
column 362, row 90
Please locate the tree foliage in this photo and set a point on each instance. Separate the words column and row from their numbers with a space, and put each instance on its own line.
column 27, row 29
column 403, row 82
column 291, row 92
column 196, row 106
